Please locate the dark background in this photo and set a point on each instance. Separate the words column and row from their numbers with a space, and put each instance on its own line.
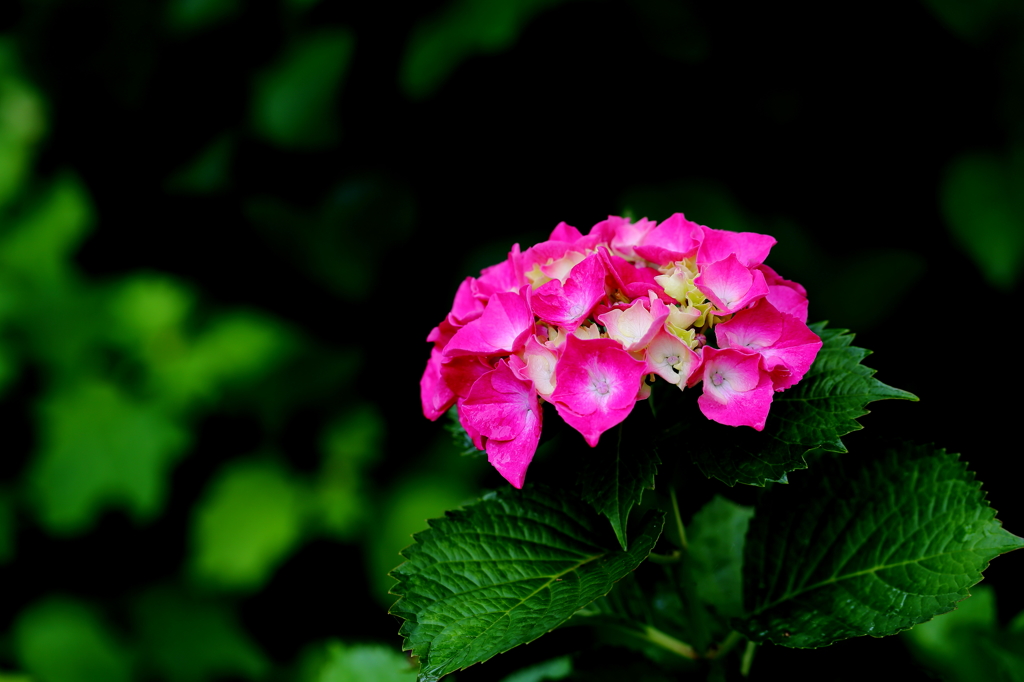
column 333, row 170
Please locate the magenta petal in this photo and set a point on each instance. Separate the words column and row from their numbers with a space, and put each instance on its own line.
column 750, row 248
column 564, row 232
column 435, row 395
column 568, row 305
column 730, row 285
column 787, row 345
column 596, row 385
column 738, row 390
column 504, row 409
column 674, row 239
column 502, row 329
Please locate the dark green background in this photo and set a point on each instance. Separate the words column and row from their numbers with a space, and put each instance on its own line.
column 277, row 201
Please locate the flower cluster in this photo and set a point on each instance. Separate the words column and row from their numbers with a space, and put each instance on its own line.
column 586, row 321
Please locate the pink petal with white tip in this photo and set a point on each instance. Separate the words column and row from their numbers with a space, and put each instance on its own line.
column 636, row 326
column 737, row 389
column 671, row 359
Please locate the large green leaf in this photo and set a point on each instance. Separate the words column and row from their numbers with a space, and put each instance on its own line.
column 716, row 535
column 614, row 480
column 815, row 413
column 871, row 547
column 504, row 571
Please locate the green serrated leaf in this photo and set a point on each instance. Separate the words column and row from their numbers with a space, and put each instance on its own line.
column 860, row 547
column 614, row 480
column 814, row 414
column 504, row 571
column 716, row 535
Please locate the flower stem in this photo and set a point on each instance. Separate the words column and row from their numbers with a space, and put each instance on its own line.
column 668, row 642
column 748, row 659
column 679, row 520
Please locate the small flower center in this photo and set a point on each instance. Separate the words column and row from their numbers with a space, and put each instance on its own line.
column 601, row 385
column 717, row 378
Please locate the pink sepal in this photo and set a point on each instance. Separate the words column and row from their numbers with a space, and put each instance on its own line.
column 737, row 389
column 596, row 385
column 730, row 285
column 505, row 411
column 569, row 304
column 673, row 240
column 500, row 330
column 750, row 248
column 787, row 345
column 435, row 395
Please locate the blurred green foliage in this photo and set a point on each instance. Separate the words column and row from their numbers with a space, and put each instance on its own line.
column 459, row 30
column 294, row 99
column 969, row 645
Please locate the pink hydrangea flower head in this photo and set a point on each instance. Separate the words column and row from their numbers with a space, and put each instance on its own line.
column 597, row 385
column 589, row 322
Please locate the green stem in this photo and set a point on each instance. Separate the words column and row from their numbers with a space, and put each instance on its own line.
column 679, row 520
column 668, row 642
column 673, row 558
column 731, row 640
column 748, row 659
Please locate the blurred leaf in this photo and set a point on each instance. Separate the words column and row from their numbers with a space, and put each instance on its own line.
column 463, row 28
column 144, row 306
column 294, row 103
column 555, row 669
column 419, row 495
column 893, row 273
column 22, row 123
column 361, row 222
column 36, row 248
column 208, row 172
column 248, row 520
column 984, row 208
column 187, row 639
column 234, row 349
column 194, row 15
column 969, row 20
column 967, row 645
column 100, row 447
column 716, row 536
column 348, row 446
column 365, row 663
column 65, row 641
